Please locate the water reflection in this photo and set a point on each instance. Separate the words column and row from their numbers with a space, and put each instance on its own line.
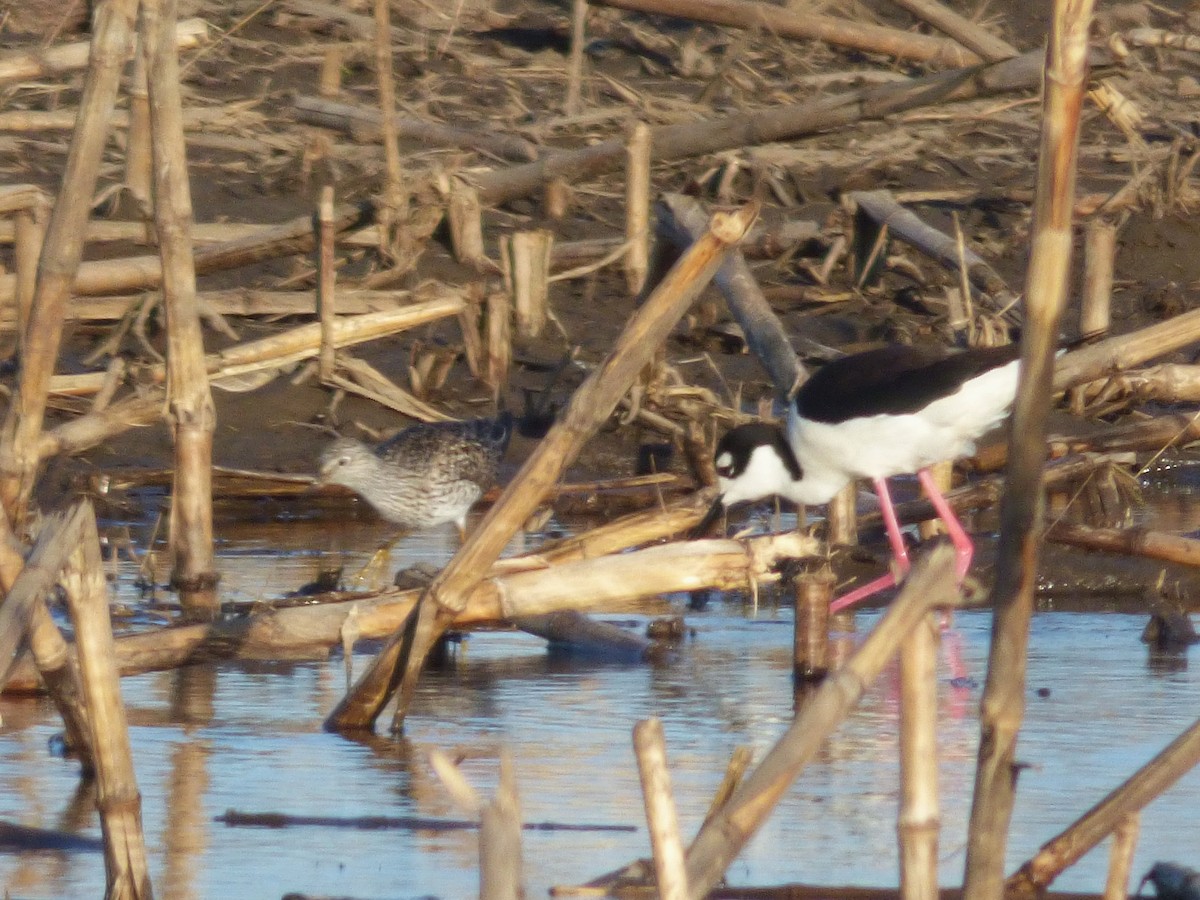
column 248, row 737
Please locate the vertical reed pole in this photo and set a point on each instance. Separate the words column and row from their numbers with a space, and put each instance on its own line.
column 919, row 822
column 326, row 283
column 498, row 311
column 117, row 798
column 393, row 213
column 190, row 411
column 842, row 517
column 573, row 104
column 138, row 177
column 112, row 26
column 1003, row 704
column 1120, row 856
column 465, row 217
column 1099, row 249
column 500, row 839
column 810, row 644
column 525, row 260
column 651, row 750
column 637, row 207
column 29, row 229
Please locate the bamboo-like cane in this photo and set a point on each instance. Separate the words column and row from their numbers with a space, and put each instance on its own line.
column 1003, row 706
column 650, row 748
column 500, row 875
column 190, row 409
column 590, row 406
column 1176, row 760
column 525, row 261
column 573, row 103
column 326, row 283
column 118, row 800
column 931, row 583
column 1099, row 250
column 138, row 176
column 1120, row 857
column 637, row 208
column 330, row 81
column 499, row 340
column 841, row 517
column 810, row 642
column 30, row 234
column 919, row 822
column 61, row 252
column 395, row 198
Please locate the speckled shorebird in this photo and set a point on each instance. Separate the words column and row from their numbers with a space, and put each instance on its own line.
column 426, row 475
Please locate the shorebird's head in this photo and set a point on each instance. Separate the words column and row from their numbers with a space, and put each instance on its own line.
column 753, row 462
column 347, row 462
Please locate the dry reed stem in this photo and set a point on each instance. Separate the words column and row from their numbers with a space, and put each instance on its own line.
column 1120, row 856
column 970, row 34
column 919, row 822
column 650, row 748
column 326, row 283
column 500, row 856
column 1142, row 542
column 1172, row 763
column 930, row 584
column 637, row 208
column 117, row 796
column 139, row 178
column 591, row 404
column 1099, row 252
column 190, row 411
column 61, row 252
column 1002, row 706
column 573, row 103
column 1123, row 351
column 810, row 638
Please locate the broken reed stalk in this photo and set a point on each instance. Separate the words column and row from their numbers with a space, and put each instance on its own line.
column 29, row 229
column 500, row 839
column 841, row 517
column 1172, row 763
column 637, row 208
column 117, row 796
column 930, row 584
column 465, row 218
column 139, row 180
column 1125, row 350
column 1099, row 251
column 573, row 103
column 395, row 198
column 919, row 822
column 1003, row 706
column 810, row 639
column 592, row 403
column 525, row 262
column 970, row 34
column 1120, row 856
column 112, row 29
column 190, row 411
column 650, row 748
column 24, row 616
column 498, row 316
column 1160, row 545
column 326, row 283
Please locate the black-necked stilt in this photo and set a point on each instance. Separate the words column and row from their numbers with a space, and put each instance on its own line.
column 424, row 476
column 872, row 415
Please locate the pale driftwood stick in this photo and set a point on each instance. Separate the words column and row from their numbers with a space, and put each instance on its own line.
column 573, row 103
column 1012, row 594
column 525, row 257
column 809, row 26
column 722, row 839
column 117, row 796
column 358, row 119
column 1126, row 350
column 498, row 313
column 96, row 427
column 326, row 283
column 61, row 252
column 197, row 121
column 27, row 582
column 191, row 414
column 465, row 217
column 590, row 406
column 810, row 638
column 919, row 821
column 616, row 583
column 30, row 66
column 971, row 35
column 906, row 225
column 689, row 140
column 144, row 272
column 1059, row 853
column 138, row 177
column 1128, row 541
column 1120, row 856
column 1099, row 249
column 637, row 207
column 764, row 332
column 202, row 232
column 650, row 748
column 500, row 875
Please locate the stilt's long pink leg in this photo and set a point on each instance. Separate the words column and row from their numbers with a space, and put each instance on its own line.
column 963, row 547
column 899, row 551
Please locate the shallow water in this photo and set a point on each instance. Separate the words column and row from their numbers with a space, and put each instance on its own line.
column 248, row 737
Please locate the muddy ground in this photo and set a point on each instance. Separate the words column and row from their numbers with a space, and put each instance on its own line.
column 499, row 67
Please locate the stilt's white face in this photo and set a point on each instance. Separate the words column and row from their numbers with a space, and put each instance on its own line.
column 763, row 476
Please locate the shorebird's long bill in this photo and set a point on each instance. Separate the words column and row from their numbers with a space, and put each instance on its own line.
column 710, row 518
